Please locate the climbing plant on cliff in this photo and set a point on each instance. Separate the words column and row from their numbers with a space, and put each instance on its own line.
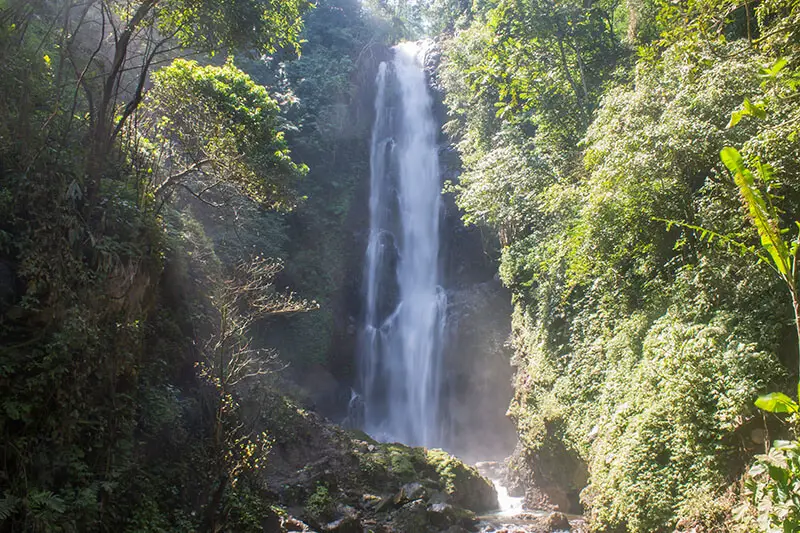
column 609, row 306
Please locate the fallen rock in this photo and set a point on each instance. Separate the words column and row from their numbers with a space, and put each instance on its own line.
column 410, row 492
column 443, row 515
column 557, row 522
column 346, row 524
column 412, row 517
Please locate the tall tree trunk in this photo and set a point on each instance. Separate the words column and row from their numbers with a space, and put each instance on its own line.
column 796, row 305
column 102, row 135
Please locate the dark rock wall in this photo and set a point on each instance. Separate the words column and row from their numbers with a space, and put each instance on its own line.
column 477, row 362
column 477, row 383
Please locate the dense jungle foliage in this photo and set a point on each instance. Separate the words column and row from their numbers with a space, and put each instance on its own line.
column 640, row 345
column 177, row 181
column 166, row 169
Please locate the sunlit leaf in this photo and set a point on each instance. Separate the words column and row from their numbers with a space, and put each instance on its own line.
column 763, row 218
column 777, row 402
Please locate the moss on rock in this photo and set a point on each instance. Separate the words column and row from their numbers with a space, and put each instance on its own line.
column 462, row 483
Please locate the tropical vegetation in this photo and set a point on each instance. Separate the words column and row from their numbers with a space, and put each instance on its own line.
column 181, row 230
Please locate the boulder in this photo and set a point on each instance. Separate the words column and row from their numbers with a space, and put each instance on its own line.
column 444, row 515
column 557, row 522
column 462, row 483
column 346, row 524
column 293, row 524
column 410, row 492
column 412, row 517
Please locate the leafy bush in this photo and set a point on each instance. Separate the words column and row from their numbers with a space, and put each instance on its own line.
column 774, row 488
column 319, row 504
column 639, row 351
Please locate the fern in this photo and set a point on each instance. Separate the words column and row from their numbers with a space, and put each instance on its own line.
column 43, row 503
column 8, row 506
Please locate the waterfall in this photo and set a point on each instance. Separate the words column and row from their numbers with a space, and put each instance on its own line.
column 404, row 313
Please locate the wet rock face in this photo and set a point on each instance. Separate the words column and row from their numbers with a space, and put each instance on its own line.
column 477, row 386
column 552, row 478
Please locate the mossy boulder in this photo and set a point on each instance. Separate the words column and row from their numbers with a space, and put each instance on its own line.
column 444, row 515
column 391, row 467
column 337, row 480
column 462, row 483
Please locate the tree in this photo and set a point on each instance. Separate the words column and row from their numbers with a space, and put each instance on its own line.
column 229, row 360
column 551, row 56
column 210, row 126
column 112, row 45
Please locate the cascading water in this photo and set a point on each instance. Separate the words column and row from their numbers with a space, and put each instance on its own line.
column 402, row 334
column 404, row 316
column 404, row 319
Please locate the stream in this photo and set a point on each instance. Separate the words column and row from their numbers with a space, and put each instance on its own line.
column 511, row 517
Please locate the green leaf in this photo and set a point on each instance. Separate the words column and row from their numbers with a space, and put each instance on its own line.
column 736, row 117
column 747, row 108
column 781, row 475
column 763, row 217
column 777, row 402
column 756, row 110
column 775, row 69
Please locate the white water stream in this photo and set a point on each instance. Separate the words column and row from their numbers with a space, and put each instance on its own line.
column 509, row 505
column 401, row 338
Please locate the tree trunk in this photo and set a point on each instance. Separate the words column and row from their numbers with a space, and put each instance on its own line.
column 796, row 304
column 210, row 516
column 102, row 136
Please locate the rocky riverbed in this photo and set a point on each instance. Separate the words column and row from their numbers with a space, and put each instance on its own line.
column 512, row 517
column 322, row 478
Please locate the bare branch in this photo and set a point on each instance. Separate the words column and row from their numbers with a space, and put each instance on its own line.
column 175, row 178
column 196, row 195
